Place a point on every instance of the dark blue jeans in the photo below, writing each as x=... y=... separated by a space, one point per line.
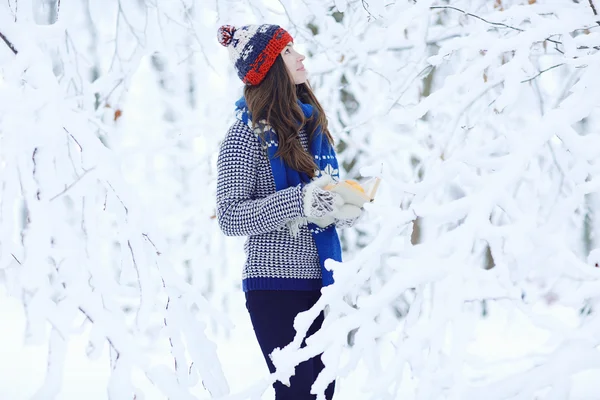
x=272 y=313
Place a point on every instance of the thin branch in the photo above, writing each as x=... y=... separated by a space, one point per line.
x=594 y=10
x=366 y=7
x=8 y=43
x=16 y=259
x=500 y=24
x=33 y=159
x=593 y=7
x=15 y=10
x=190 y=20
x=71 y=156
x=115 y=54
x=167 y=326
x=73 y=137
x=407 y=86
x=117 y=196
x=119 y=81
x=476 y=16
x=72 y=184
x=137 y=271
x=538 y=92
x=107 y=338
x=35 y=170
x=541 y=72
x=557 y=49
x=158 y=253
x=170 y=338
x=131 y=28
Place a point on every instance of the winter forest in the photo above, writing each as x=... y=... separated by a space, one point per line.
x=473 y=275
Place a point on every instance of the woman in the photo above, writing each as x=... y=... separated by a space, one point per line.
x=273 y=166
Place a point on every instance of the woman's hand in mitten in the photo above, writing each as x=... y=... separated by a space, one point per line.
x=347 y=216
x=347 y=211
x=318 y=202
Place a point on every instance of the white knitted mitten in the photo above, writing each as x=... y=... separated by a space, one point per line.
x=319 y=202
x=346 y=223
x=352 y=218
x=347 y=211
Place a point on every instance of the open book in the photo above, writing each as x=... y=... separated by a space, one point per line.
x=354 y=192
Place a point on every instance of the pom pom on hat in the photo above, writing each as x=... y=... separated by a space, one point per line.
x=225 y=34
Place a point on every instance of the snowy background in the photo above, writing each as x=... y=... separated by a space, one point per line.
x=473 y=276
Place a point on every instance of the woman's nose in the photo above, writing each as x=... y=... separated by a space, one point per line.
x=301 y=57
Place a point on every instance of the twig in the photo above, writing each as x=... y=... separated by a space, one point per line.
x=72 y=184
x=476 y=16
x=556 y=42
x=117 y=196
x=107 y=338
x=131 y=28
x=113 y=89
x=188 y=17
x=366 y=7
x=8 y=43
x=16 y=259
x=158 y=253
x=170 y=338
x=594 y=10
x=115 y=54
x=35 y=170
x=33 y=159
x=73 y=137
x=536 y=88
x=541 y=72
x=137 y=271
x=593 y=7
x=425 y=70
x=175 y=364
x=15 y=10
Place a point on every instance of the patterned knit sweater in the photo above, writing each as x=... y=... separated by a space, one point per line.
x=249 y=205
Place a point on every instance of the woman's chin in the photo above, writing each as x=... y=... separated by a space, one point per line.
x=300 y=78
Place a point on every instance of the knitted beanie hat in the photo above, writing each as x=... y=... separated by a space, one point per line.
x=253 y=49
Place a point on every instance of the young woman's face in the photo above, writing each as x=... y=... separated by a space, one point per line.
x=293 y=62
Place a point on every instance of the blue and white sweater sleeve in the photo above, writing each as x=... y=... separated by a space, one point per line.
x=239 y=212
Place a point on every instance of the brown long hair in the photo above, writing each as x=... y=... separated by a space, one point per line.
x=275 y=100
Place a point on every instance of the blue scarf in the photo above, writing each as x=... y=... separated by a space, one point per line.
x=326 y=239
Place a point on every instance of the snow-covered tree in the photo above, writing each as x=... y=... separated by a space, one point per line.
x=481 y=118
